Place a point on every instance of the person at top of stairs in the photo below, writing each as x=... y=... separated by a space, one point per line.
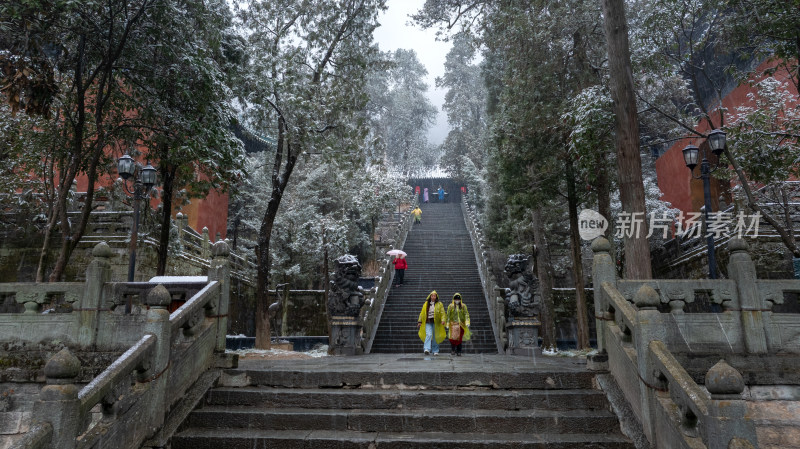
x=458 y=324
x=431 y=323
x=400 y=266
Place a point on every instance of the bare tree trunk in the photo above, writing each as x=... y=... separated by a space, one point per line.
x=280 y=179
x=544 y=270
x=577 y=260
x=48 y=233
x=603 y=186
x=50 y=196
x=629 y=163
x=327 y=277
x=262 y=289
x=167 y=193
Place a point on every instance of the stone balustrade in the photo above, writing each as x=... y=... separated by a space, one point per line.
x=647 y=337
x=677 y=387
x=141 y=397
x=492 y=293
x=370 y=315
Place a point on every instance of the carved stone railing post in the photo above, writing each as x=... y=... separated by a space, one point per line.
x=97 y=274
x=58 y=402
x=603 y=270
x=220 y=271
x=523 y=299
x=344 y=305
x=206 y=243
x=727 y=422
x=742 y=269
x=158 y=325
x=649 y=326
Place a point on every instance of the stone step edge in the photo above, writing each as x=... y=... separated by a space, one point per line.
x=357 y=380
x=404 y=392
x=518 y=439
x=444 y=413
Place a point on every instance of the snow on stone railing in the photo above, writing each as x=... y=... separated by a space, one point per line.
x=495 y=304
x=373 y=309
x=144 y=391
x=643 y=333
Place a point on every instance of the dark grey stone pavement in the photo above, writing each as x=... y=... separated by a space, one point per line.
x=380 y=363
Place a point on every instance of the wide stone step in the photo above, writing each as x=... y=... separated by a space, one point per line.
x=400 y=420
x=417 y=350
x=544 y=380
x=407 y=400
x=325 y=439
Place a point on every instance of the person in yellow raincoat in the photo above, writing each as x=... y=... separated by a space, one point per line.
x=431 y=323
x=417 y=212
x=458 y=324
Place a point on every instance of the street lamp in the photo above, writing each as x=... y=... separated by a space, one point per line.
x=716 y=141
x=142 y=185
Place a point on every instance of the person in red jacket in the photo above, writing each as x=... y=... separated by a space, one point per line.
x=400 y=266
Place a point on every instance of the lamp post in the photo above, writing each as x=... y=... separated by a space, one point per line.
x=144 y=180
x=716 y=141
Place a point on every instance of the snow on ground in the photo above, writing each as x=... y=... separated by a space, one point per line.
x=570 y=352
x=280 y=354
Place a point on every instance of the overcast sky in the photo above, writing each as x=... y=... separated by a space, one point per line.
x=395 y=32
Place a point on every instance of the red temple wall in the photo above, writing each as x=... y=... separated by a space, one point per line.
x=676 y=185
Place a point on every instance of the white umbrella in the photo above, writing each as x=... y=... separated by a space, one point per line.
x=396 y=252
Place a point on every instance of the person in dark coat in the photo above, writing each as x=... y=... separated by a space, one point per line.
x=400 y=266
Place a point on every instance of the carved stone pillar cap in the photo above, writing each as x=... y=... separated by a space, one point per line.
x=601 y=245
x=724 y=379
x=220 y=249
x=737 y=244
x=646 y=297
x=159 y=297
x=63 y=365
x=102 y=250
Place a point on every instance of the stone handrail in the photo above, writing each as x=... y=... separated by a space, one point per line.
x=638 y=342
x=38 y=437
x=33 y=296
x=189 y=313
x=619 y=310
x=373 y=309
x=495 y=304
x=137 y=358
x=677 y=293
x=172 y=354
x=692 y=401
x=117 y=293
x=108 y=225
x=198 y=245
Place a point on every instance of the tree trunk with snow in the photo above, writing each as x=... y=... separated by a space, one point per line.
x=577 y=261
x=544 y=271
x=629 y=164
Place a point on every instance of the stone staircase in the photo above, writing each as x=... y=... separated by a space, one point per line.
x=440 y=257
x=380 y=401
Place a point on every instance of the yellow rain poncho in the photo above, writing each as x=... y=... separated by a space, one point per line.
x=459 y=315
x=438 y=319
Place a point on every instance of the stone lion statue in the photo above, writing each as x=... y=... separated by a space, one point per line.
x=346 y=297
x=522 y=293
